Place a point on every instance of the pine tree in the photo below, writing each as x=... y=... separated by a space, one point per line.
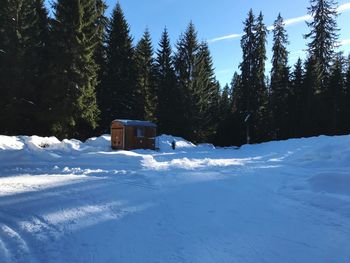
x=168 y=95
x=252 y=105
x=100 y=55
x=119 y=95
x=146 y=76
x=262 y=124
x=279 y=85
x=23 y=40
x=246 y=101
x=335 y=94
x=226 y=103
x=205 y=96
x=35 y=64
x=312 y=119
x=297 y=102
x=11 y=54
x=232 y=131
x=323 y=36
x=72 y=100
x=185 y=59
x=346 y=99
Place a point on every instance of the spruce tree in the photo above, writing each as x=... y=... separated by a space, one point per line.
x=11 y=54
x=312 y=119
x=335 y=94
x=168 y=94
x=146 y=76
x=253 y=104
x=279 y=85
x=235 y=128
x=247 y=101
x=100 y=55
x=185 y=59
x=323 y=40
x=226 y=103
x=346 y=99
x=262 y=123
x=72 y=100
x=323 y=36
x=297 y=102
x=205 y=96
x=23 y=41
x=118 y=95
x=35 y=64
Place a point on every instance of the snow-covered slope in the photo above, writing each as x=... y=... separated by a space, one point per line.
x=68 y=201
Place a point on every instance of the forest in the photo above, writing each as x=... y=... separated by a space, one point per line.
x=70 y=74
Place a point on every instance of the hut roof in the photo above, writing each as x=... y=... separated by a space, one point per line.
x=136 y=123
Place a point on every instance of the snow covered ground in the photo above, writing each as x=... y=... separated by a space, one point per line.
x=68 y=201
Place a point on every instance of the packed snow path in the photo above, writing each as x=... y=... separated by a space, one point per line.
x=81 y=202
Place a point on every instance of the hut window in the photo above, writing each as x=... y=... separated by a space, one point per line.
x=140 y=133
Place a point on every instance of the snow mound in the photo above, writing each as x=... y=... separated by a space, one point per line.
x=36 y=143
x=10 y=143
x=164 y=142
x=102 y=142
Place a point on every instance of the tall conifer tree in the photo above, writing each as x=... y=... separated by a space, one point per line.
x=168 y=95
x=252 y=106
x=23 y=38
x=279 y=85
x=246 y=100
x=261 y=116
x=185 y=59
x=323 y=40
x=335 y=94
x=72 y=100
x=100 y=55
x=346 y=99
x=312 y=119
x=206 y=96
x=146 y=76
x=323 y=36
x=297 y=103
x=118 y=95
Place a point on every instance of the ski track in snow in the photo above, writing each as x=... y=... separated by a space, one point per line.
x=285 y=201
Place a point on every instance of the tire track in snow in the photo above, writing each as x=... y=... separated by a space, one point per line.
x=41 y=228
x=17 y=249
x=6 y=252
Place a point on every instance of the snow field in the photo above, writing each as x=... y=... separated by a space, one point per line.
x=69 y=201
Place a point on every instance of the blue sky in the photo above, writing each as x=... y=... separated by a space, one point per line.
x=222 y=18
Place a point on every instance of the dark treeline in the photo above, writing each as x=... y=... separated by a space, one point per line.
x=71 y=74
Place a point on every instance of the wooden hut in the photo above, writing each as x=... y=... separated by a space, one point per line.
x=133 y=134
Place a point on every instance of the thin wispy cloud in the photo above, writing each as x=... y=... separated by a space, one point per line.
x=296 y=20
x=232 y=36
x=343 y=7
x=288 y=22
x=344 y=42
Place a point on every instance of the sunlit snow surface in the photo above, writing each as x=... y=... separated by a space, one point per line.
x=68 y=201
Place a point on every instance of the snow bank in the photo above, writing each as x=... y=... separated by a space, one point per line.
x=164 y=142
x=36 y=143
x=10 y=143
x=149 y=162
x=102 y=142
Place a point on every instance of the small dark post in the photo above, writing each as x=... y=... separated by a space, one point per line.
x=173 y=144
x=247 y=127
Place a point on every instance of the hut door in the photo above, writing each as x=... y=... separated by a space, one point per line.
x=117 y=137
